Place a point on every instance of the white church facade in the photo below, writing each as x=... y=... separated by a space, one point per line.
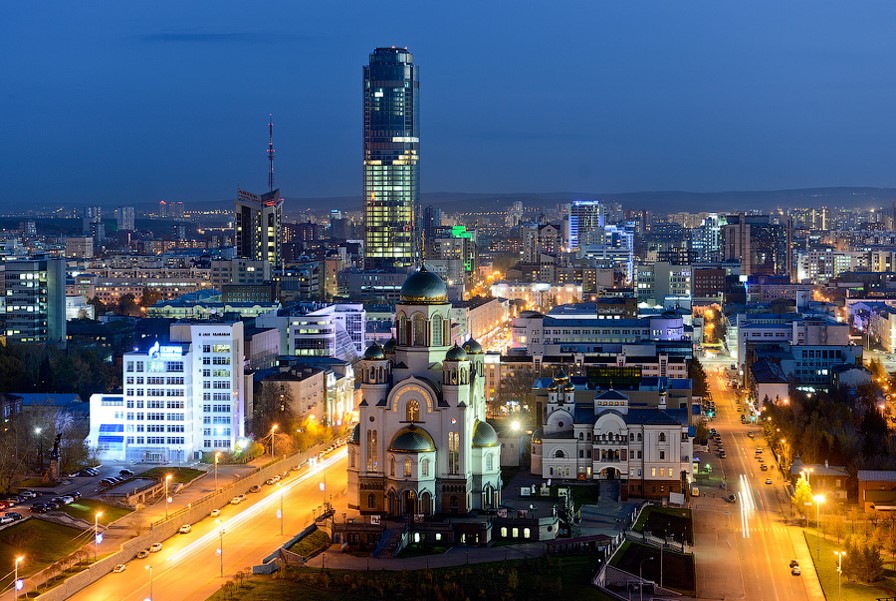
x=422 y=446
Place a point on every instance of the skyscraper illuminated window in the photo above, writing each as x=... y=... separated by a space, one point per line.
x=391 y=171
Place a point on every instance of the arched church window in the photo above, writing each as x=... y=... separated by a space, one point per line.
x=424 y=468
x=392 y=466
x=662 y=437
x=489 y=462
x=419 y=330
x=407 y=468
x=412 y=411
x=559 y=454
x=437 y=330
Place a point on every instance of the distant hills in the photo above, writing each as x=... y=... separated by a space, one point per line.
x=660 y=201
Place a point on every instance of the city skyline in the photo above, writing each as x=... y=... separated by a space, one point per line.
x=170 y=102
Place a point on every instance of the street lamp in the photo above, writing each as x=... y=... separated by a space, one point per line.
x=149 y=567
x=167 y=498
x=641 y=575
x=16 y=585
x=217 y=456
x=273 y=429
x=96 y=534
x=221 y=545
x=840 y=555
x=819 y=499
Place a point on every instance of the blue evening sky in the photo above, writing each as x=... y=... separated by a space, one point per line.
x=126 y=101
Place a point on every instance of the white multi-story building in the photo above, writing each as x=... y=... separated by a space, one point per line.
x=320 y=330
x=180 y=399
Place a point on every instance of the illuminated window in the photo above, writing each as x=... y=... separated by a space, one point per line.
x=407 y=468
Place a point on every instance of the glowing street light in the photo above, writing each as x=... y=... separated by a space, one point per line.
x=17 y=584
x=96 y=534
x=840 y=555
x=167 y=498
x=819 y=499
x=273 y=429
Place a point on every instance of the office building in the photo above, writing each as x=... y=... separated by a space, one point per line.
x=762 y=247
x=180 y=399
x=258 y=223
x=586 y=218
x=34 y=295
x=391 y=170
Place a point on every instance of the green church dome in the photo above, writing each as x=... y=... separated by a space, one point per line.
x=484 y=435
x=455 y=353
x=412 y=439
x=374 y=352
x=424 y=288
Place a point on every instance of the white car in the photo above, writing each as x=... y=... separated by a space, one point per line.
x=236 y=501
x=119 y=568
x=155 y=548
x=143 y=554
x=215 y=513
x=185 y=529
x=768 y=480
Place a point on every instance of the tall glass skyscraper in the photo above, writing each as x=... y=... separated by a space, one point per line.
x=391 y=171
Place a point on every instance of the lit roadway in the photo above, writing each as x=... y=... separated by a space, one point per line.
x=188 y=567
x=754 y=543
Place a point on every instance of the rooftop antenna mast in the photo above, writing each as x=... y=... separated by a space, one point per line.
x=271 y=151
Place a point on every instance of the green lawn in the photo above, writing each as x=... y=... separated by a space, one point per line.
x=827 y=572
x=86 y=510
x=312 y=543
x=40 y=543
x=539 y=578
x=178 y=474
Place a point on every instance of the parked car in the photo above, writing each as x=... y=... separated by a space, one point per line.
x=6 y=520
x=75 y=495
x=28 y=494
x=126 y=472
x=16 y=516
x=143 y=554
x=215 y=513
x=255 y=488
x=273 y=480
x=794 y=563
x=185 y=529
x=68 y=499
x=39 y=508
x=795 y=570
x=763 y=467
x=731 y=498
x=120 y=568
x=52 y=506
x=768 y=480
x=241 y=497
x=235 y=501
x=155 y=547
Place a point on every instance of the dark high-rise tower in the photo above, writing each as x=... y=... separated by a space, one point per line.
x=391 y=171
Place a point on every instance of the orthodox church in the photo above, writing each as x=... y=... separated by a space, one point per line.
x=422 y=446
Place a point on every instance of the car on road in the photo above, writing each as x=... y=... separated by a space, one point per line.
x=155 y=547
x=273 y=480
x=763 y=467
x=119 y=568
x=143 y=554
x=14 y=515
x=255 y=488
x=768 y=480
x=722 y=454
x=750 y=434
x=794 y=563
x=39 y=508
x=28 y=494
x=795 y=570
x=75 y=495
x=52 y=506
x=236 y=501
x=759 y=450
x=731 y=498
x=125 y=472
x=185 y=529
x=215 y=513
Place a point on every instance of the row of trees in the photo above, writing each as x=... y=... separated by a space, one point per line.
x=45 y=368
x=127 y=304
